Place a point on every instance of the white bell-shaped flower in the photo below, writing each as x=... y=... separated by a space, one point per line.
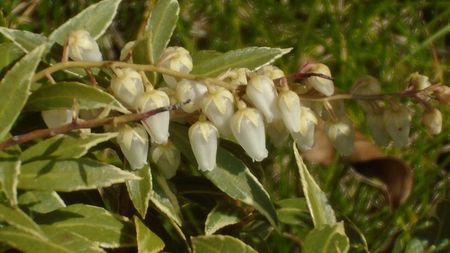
x=190 y=90
x=127 y=86
x=377 y=129
x=432 y=119
x=248 y=129
x=418 y=81
x=157 y=125
x=217 y=105
x=133 y=142
x=167 y=158
x=177 y=59
x=262 y=93
x=290 y=110
x=203 y=136
x=342 y=136
x=322 y=85
x=271 y=71
x=304 y=138
x=82 y=47
x=57 y=117
x=397 y=121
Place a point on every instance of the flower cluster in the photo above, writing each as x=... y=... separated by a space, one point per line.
x=252 y=104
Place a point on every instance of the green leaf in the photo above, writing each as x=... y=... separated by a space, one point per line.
x=71 y=241
x=163 y=198
x=27 y=41
x=73 y=145
x=107 y=229
x=202 y=56
x=70 y=175
x=161 y=24
x=10 y=53
x=221 y=216
x=30 y=243
x=327 y=239
x=9 y=172
x=95 y=19
x=14 y=89
x=18 y=219
x=230 y=176
x=40 y=201
x=62 y=95
x=143 y=54
x=251 y=58
x=141 y=190
x=293 y=211
x=147 y=241
x=219 y=244
x=319 y=208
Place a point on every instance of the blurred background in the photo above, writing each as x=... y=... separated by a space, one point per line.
x=387 y=39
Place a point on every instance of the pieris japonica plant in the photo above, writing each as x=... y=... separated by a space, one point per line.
x=163 y=150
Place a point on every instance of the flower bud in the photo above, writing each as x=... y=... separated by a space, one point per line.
x=127 y=86
x=217 y=105
x=342 y=136
x=247 y=126
x=235 y=76
x=377 y=129
x=443 y=94
x=418 y=81
x=203 y=137
x=271 y=71
x=321 y=84
x=177 y=59
x=262 y=93
x=157 y=125
x=432 y=119
x=82 y=47
x=190 y=90
x=167 y=158
x=398 y=122
x=133 y=142
x=304 y=138
x=289 y=105
x=57 y=117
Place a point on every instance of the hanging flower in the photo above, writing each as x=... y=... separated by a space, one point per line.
x=127 y=86
x=167 y=158
x=217 y=105
x=262 y=93
x=322 y=85
x=342 y=136
x=271 y=71
x=290 y=109
x=57 y=117
x=82 y=47
x=397 y=121
x=248 y=129
x=157 y=125
x=203 y=137
x=190 y=90
x=432 y=119
x=133 y=142
x=304 y=138
x=177 y=59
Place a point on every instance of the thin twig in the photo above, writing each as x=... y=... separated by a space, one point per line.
x=138 y=67
x=42 y=133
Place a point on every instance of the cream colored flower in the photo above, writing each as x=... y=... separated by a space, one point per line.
x=322 y=85
x=57 y=117
x=217 y=105
x=157 y=125
x=262 y=93
x=82 y=47
x=127 y=86
x=167 y=158
x=190 y=90
x=177 y=59
x=133 y=142
x=203 y=137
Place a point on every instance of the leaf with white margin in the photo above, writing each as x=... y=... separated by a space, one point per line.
x=95 y=19
x=319 y=208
